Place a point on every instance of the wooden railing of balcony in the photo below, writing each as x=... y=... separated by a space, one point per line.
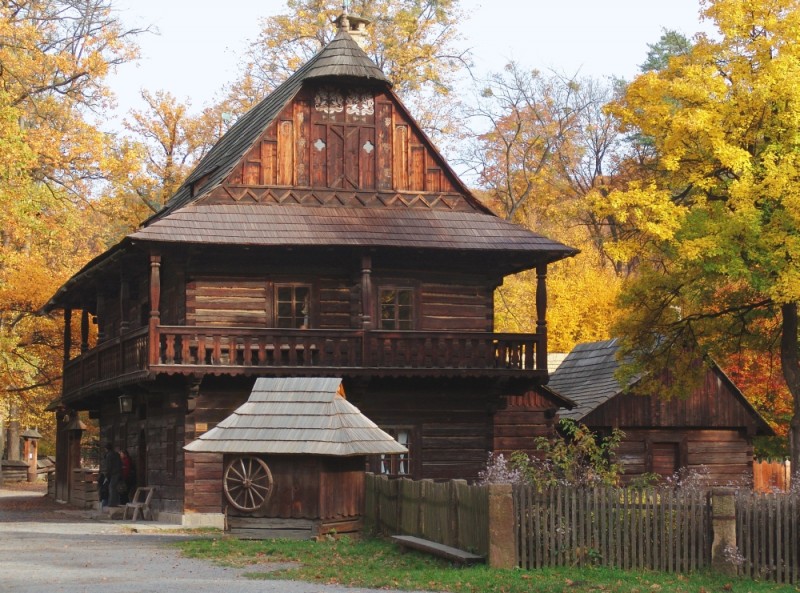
x=193 y=349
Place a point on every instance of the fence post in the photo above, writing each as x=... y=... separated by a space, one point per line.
x=502 y=535
x=723 y=523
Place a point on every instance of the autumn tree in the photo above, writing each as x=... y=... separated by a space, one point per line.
x=718 y=215
x=54 y=55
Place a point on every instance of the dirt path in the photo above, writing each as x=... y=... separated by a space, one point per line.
x=47 y=547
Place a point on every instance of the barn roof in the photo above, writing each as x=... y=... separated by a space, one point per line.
x=296 y=225
x=588 y=377
x=294 y=415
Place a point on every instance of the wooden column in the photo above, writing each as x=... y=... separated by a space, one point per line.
x=155 y=314
x=100 y=317
x=84 y=330
x=62 y=454
x=541 y=316
x=124 y=298
x=366 y=292
x=67 y=334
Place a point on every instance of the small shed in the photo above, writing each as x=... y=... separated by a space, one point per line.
x=710 y=431
x=294 y=459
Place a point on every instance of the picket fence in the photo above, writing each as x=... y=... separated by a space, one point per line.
x=656 y=529
x=768 y=536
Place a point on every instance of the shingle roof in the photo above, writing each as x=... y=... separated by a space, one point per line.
x=296 y=225
x=586 y=376
x=294 y=415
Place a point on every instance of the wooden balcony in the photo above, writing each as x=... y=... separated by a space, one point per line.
x=268 y=351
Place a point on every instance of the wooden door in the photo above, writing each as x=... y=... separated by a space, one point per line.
x=666 y=459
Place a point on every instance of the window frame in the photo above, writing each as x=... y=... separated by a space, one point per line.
x=394 y=460
x=413 y=306
x=308 y=317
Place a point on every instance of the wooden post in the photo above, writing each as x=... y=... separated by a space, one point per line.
x=155 y=314
x=502 y=535
x=723 y=524
x=84 y=330
x=124 y=298
x=366 y=292
x=67 y=334
x=100 y=317
x=541 y=316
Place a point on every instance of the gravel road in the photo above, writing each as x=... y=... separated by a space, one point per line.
x=46 y=547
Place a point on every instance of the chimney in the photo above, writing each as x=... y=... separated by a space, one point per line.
x=356 y=27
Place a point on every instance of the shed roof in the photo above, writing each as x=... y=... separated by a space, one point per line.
x=297 y=415
x=586 y=376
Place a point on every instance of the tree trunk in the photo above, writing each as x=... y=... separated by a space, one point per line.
x=790 y=361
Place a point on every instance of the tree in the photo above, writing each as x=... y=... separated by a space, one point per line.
x=718 y=217
x=413 y=41
x=54 y=55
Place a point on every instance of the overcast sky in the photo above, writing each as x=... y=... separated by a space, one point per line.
x=195 y=52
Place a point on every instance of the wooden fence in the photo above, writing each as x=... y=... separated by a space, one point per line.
x=450 y=513
x=664 y=529
x=772 y=476
x=658 y=529
x=768 y=536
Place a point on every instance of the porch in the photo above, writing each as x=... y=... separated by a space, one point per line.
x=145 y=352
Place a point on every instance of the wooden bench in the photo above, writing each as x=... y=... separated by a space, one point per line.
x=447 y=552
x=140 y=503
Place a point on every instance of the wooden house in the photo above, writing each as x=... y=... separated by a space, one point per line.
x=322 y=236
x=711 y=431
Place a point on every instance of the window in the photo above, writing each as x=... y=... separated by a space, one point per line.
x=397 y=308
x=293 y=305
x=400 y=464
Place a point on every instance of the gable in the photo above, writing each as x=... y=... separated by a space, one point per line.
x=337 y=139
x=714 y=404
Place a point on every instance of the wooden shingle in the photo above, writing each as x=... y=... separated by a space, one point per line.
x=297 y=415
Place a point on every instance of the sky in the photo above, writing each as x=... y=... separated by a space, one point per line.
x=194 y=54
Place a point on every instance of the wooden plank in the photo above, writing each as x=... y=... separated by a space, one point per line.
x=400 y=157
x=383 y=123
x=367 y=157
x=302 y=124
x=319 y=156
x=447 y=552
x=286 y=147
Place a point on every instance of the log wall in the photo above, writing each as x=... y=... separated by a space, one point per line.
x=356 y=139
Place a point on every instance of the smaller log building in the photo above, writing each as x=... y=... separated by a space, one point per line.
x=710 y=431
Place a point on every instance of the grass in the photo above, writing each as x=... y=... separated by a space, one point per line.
x=378 y=564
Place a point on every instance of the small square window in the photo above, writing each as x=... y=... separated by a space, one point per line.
x=397 y=308
x=399 y=464
x=293 y=306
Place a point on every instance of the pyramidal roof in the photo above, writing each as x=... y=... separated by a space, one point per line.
x=297 y=415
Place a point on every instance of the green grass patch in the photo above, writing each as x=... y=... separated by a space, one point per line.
x=378 y=564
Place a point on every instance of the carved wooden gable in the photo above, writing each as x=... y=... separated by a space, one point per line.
x=342 y=141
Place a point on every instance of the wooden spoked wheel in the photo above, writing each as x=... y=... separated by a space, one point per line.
x=247 y=483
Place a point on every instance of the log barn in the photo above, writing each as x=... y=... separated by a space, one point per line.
x=710 y=431
x=322 y=236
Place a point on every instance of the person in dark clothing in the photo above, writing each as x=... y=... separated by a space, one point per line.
x=128 y=482
x=113 y=465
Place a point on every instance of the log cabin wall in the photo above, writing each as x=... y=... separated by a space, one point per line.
x=525 y=418
x=450 y=425
x=722 y=456
x=217 y=398
x=340 y=138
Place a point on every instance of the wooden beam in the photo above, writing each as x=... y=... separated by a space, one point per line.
x=541 y=316
x=67 y=333
x=155 y=314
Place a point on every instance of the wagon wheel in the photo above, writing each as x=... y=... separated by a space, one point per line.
x=247 y=483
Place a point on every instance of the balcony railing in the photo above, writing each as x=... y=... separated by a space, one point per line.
x=193 y=349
